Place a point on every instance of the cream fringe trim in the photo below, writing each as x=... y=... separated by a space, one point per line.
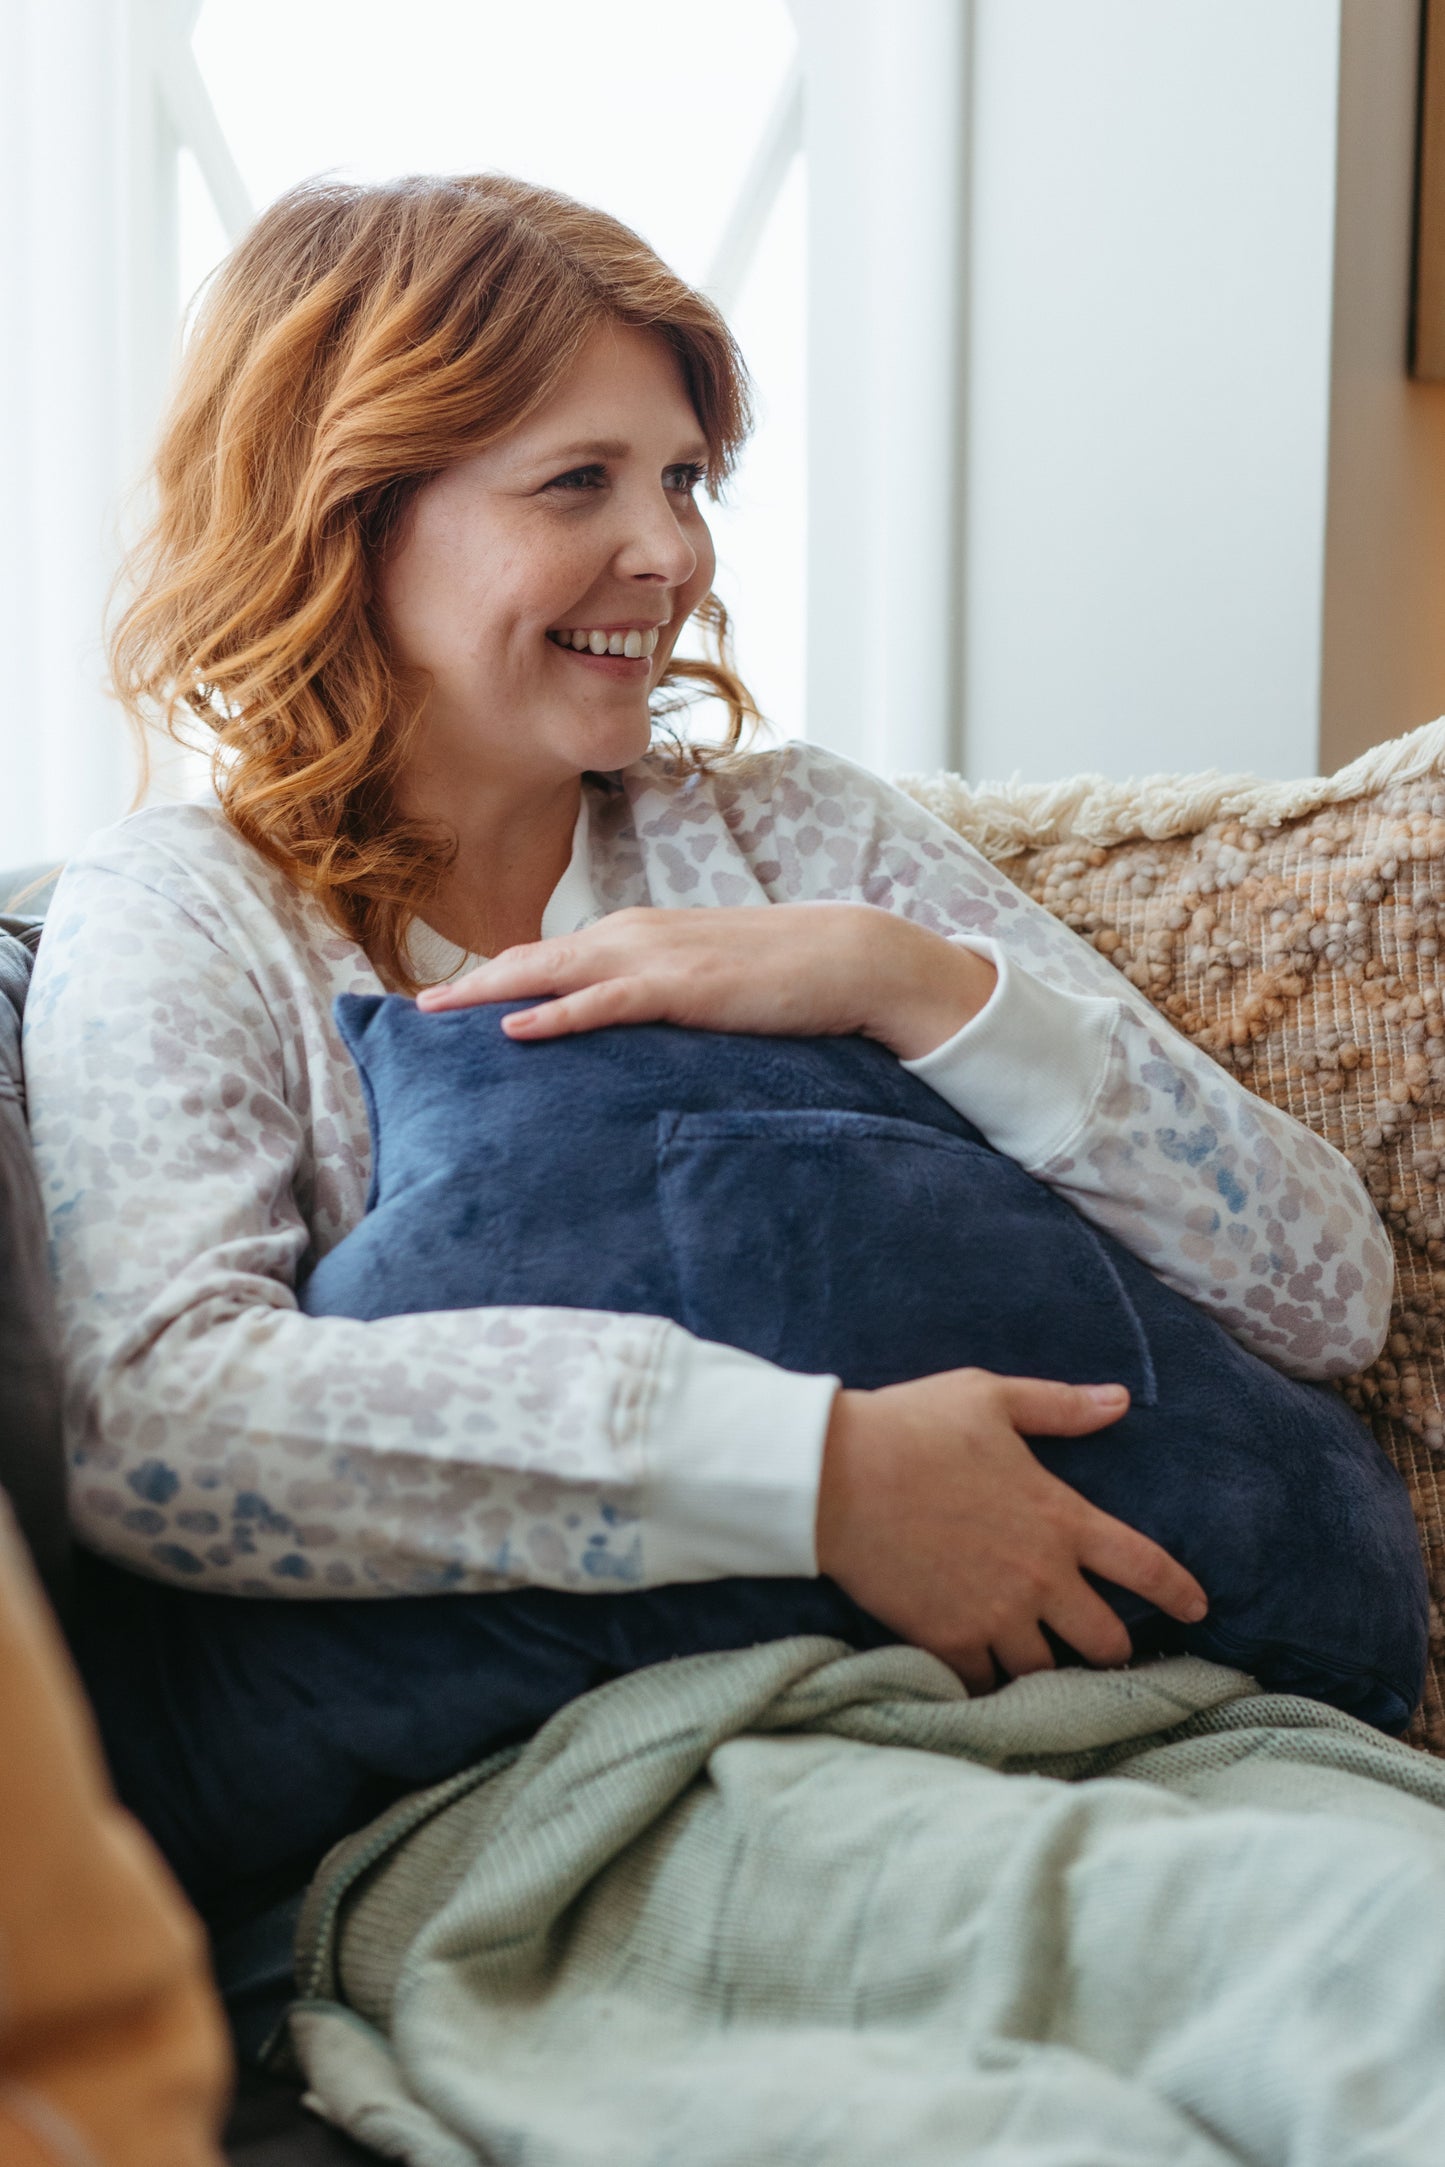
x=1001 y=819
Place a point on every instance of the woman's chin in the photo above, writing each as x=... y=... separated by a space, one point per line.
x=614 y=742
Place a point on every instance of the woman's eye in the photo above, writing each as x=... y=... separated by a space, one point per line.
x=579 y=478
x=680 y=480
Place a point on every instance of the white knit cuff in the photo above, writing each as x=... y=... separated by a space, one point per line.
x=1027 y=1068
x=734 y=1454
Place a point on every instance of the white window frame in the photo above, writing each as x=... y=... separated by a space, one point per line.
x=97 y=98
x=885 y=128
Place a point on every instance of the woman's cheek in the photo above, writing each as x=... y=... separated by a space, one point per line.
x=702 y=578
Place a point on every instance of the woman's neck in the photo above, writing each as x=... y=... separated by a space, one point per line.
x=509 y=859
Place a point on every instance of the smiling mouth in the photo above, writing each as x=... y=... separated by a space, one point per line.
x=634 y=645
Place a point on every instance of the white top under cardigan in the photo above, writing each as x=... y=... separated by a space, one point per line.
x=200 y=1131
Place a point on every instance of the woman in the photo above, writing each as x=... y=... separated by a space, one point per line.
x=428 y=532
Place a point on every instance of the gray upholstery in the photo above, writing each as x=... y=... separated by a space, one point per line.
x=32 y=1465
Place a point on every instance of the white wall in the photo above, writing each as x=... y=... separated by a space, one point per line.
x=1152 y=214
x=883 y=136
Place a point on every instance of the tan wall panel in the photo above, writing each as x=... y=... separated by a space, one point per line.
x=1383 y=644
x=1429 y=355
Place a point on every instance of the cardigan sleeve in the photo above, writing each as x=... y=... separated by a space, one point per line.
x=220 y=1438
x=1071 y=1071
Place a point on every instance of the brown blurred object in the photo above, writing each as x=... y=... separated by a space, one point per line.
x=112 y=2047
x=1427 y=357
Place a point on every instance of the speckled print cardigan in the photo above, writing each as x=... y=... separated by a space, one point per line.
x=200 y=1133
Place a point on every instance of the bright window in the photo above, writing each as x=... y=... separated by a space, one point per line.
x=652 y=109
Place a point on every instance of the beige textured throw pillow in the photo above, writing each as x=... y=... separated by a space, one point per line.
x=1294 y=930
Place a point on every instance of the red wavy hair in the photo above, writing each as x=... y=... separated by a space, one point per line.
x=358 y=341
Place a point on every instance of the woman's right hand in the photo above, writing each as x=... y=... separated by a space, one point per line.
x=934 y=1515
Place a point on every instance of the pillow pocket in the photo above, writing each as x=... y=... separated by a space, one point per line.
x=883 y=1249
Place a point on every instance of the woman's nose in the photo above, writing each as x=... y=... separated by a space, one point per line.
x=654 y=545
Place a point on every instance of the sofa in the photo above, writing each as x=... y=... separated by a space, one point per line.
x=1293 y=929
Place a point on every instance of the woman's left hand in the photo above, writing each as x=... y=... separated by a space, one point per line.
x=794 y=970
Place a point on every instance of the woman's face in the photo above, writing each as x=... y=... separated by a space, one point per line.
x=582 y=521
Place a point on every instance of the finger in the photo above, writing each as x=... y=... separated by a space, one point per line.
x=1082 y=1618
x=1037 y=1406
x=974 y=1665
x=616 y=1000
x=1131 y=1560
x=563 y=962
x=456 y=993
x=536 y=967
x=1022 y=1650
x=978 y=1672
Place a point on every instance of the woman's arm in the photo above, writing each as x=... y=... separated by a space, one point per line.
x=1072 y=1072
x=1039 y=1041
x=221 y=1439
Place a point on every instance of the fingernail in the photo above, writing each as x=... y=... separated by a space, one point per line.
x=1107 y=1395
x=1195 y=1611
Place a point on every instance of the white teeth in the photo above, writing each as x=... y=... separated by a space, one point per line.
x=631 y=644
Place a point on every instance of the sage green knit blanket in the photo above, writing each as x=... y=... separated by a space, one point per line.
x=799 y=1906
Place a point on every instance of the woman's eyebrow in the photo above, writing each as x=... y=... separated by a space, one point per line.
x=614 y=448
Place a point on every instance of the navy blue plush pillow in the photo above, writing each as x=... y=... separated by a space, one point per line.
x=810 y=1201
